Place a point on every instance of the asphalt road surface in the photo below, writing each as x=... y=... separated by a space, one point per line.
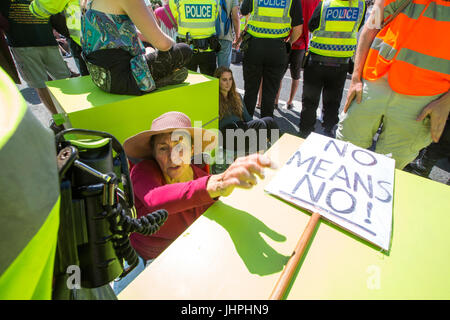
x=286 y=119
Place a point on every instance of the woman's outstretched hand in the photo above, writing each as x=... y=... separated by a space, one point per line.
x=241 y=173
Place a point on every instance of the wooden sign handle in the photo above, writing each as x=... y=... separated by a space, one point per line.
x=288 y=272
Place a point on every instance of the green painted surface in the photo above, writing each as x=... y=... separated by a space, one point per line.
x=338 y=266
x=88 y=107
x=246 y=232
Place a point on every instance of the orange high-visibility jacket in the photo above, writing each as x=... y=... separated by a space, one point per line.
x=414 y=49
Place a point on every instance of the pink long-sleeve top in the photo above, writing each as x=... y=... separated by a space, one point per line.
x=184 y=202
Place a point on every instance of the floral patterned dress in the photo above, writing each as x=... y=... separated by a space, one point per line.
x=112 y=31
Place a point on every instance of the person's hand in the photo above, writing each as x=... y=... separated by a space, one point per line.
x=241 y=173
x=438 y=110
x=236 y=43
x=355 y=90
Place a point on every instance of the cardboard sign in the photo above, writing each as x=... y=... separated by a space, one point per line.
x=349 y=186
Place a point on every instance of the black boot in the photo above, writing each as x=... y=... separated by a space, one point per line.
x=423 y=164
x=176 y=77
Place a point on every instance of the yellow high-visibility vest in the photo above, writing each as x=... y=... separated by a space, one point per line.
x=270 y=19
x=72 y=11
x=339 y=23
x=242 y=23
x=29 y=220
x=198 y=17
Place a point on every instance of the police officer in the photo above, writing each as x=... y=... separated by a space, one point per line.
x=72 y=11
x=196 y=21
x=334 y=25
x=266 y=48
x=29 y=199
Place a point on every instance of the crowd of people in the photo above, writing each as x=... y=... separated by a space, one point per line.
x=398 y=59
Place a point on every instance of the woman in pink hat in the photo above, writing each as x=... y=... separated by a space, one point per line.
x=166 y=178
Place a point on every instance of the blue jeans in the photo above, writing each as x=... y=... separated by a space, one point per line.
x=224 y=55
x=121 y=284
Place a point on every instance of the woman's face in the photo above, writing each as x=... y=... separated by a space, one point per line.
x=173 y=157
x=225 y=82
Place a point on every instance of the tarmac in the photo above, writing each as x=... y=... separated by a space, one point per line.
x=286 y=119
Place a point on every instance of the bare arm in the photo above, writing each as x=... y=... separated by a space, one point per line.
x=241 y=173
x=236 y=22
x=366 y=37
x=145 y=21
x=296 y=33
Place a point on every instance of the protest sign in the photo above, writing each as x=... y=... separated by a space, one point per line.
x=347 y=185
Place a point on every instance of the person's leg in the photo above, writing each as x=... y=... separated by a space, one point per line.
x=288 y=66
x=295 y=67
x=207 y=63
x=332 y=95
x=31 y=65
x=44 y=95
x=277 y=97
x=426 y=160
x=403 y=136
x=57 y=69
x=224 y=55
x=270 y=123
x=273 y=130
x=193 y=62
x=258 y=104
x=362 y=120
x=441 y=149
x=76 y=51
x=55 y=65
x=252 y=72
x=256 y=131
x=312 y=89
x=163 y=63
x=275 y=64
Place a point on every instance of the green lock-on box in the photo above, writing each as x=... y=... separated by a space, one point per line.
x=82 y=105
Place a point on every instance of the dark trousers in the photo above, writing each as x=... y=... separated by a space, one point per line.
x=266 y=60
x=267 y=123
x=326 y=80
x=116 y=61
x=428 y=156
x=440 y=149
x=76 y=52
x=206 y=61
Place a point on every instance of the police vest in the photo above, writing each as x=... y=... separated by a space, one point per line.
x=414 y=49
x=29 y=199
x=242 y=23
x=72 y=11
x=198 y=17
x=339 y=23
x=270 y=19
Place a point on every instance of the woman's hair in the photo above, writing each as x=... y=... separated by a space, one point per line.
x=232 y=103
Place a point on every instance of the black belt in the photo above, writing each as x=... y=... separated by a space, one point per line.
x=329 y=60
x=197 y=44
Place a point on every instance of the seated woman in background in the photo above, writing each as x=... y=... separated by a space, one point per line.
x=234 y=115
x=166 y=179
x=116 y=58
